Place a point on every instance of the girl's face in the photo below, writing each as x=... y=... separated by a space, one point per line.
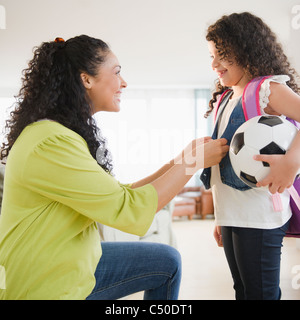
x=106 y=87
x=229 y=73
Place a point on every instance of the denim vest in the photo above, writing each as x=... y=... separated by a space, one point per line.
x=227 y=173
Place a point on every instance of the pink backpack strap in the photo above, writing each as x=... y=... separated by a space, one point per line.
x=251 y=108
x=250 y=100
x=294 y=194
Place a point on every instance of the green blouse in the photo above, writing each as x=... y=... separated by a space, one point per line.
x=54 y=193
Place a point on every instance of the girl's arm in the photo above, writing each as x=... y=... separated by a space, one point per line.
x=171 y=178
x=284 y=168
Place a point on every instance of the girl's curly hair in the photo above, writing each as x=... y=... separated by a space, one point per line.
x=247 y=40
x=52 y=89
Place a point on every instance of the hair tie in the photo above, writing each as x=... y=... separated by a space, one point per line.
x=59 y=40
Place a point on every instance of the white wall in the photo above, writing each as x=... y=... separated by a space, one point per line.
x=158 y=42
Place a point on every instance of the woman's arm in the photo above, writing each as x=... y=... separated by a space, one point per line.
x=167 y=166
x=284 y=168
x=200 y=154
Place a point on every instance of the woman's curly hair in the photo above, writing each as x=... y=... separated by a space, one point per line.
x=247 y=40
x=52 y=89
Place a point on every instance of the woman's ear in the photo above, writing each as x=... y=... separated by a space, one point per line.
x=86 y=80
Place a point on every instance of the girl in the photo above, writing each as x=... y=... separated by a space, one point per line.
x=55 y=191
x=243 y=47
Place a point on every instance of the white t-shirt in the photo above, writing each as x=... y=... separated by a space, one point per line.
x=251 y=208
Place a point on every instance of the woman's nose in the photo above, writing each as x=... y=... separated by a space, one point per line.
x=123 y=83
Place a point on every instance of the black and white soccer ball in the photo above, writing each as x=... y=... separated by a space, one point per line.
x=259 y=135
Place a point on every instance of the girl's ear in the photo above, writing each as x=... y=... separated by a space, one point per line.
x=86 y=80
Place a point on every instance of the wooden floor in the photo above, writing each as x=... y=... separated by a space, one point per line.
x=206 y=275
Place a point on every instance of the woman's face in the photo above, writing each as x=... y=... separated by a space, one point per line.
x=229 y=73
x=106 y=87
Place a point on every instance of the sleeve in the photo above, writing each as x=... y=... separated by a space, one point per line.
x=265 y=92
x=62 y=169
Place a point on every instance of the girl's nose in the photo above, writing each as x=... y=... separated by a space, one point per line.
x=215 y=63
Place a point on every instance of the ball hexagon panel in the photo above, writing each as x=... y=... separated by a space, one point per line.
x=258 y=135
x=250 y=167
x=284 y=134
x=240 y=162
x=262 y=173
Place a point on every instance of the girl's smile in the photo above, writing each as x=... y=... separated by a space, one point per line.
x=230 y=74
x=221 y=73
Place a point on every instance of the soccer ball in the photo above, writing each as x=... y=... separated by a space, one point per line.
x=259 y=135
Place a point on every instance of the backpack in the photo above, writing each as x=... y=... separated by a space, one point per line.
x=251 y=108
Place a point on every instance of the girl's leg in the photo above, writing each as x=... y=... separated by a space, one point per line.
x=227 y=238
x=257 y=254
x=129 y=267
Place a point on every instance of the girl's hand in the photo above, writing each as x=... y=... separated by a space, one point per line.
x=284 y=168
x=283 y=171
x=218 y=236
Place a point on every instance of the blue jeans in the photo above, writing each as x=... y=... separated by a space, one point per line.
x=253 y=256
x=129 y=267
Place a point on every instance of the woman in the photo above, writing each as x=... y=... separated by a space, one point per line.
x=55 y=191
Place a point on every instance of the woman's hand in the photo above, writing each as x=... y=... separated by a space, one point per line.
x=202 y=153
x=214 y=152
x=170 y=179
x=283 y=170
x=218 y=236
